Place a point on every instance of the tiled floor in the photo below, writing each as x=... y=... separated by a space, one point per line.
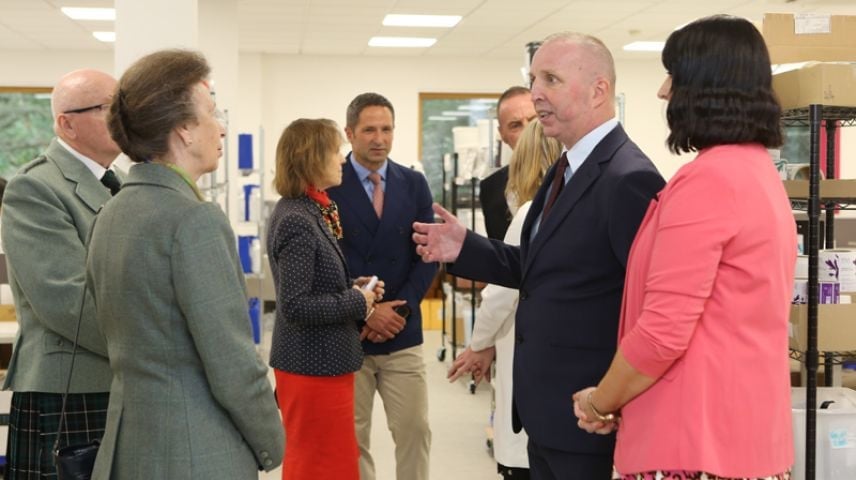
x=458 y=422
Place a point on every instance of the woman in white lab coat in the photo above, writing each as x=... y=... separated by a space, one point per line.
x=493 y=331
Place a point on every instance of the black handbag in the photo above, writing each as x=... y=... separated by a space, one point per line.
x=75 y=462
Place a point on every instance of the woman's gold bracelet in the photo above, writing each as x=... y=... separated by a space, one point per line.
x=608 y=418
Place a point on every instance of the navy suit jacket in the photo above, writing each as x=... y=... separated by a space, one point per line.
x=571 y=278
x=497 y=216
x=384 y=247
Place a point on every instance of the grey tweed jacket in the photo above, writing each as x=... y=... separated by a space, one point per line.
x=317 y=310
x=190 y=398
x=48 y=207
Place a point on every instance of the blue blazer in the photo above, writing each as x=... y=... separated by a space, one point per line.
x=384 y=247
x=571 y=278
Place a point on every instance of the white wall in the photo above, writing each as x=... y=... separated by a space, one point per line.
x=33 y=68
x=276 y=89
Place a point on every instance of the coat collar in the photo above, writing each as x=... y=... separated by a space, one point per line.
x=580 y=182
x=395 y=197
x=88 y=188
x=311 y=208
x=159 y=175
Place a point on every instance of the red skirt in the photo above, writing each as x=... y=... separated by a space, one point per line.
x=318 y=417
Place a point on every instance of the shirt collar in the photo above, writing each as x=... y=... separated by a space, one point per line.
x=583 y=148
x=97 y=169
x=363 y=172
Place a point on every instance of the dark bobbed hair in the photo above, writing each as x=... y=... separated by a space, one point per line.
x=721 y=86
x=302 y=153
x=155 y=96
x=363 y=101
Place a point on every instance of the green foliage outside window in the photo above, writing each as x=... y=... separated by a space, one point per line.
x=26 y=128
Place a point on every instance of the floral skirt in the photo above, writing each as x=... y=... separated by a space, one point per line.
x=685 y=475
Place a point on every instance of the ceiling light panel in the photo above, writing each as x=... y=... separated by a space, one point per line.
x=437 y=21
x=644 y=46
x=107 y=37
x=402 y=42
x=75 y=13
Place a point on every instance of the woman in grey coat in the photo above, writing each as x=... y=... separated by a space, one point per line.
x=190 y=398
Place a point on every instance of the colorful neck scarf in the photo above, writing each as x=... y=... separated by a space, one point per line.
x=329 y=210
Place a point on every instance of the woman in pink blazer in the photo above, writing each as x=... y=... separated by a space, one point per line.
x=700 y=381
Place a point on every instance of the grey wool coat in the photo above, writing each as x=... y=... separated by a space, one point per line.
x=190 y=398
x=48 y=208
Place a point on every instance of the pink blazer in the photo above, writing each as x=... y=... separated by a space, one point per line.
x=705 y=311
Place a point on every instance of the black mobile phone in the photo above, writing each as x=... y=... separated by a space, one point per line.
x=403 y=311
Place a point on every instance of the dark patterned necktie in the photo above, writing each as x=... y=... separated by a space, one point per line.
x=558 y=183
x=111 y=181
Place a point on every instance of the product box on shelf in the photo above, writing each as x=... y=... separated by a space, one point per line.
x=814 y=82
x=810 y=37
x=836 y=327
x=432 y=313
x=836 y=433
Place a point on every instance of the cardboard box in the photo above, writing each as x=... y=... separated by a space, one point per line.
x=432 y=313
x=7 y=313
x=836 y=327
x=822 y=83
x=810 y=37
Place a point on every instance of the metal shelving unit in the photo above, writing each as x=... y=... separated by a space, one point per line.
x=458 y=193
x=812 y=117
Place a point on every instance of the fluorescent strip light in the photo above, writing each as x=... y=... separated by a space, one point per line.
x=475 y=108
x=107 y=37
x=644 y=47
x=406 y=42
x=445 y=21
x=76 y=13
x=438 y=118
x=455 y=113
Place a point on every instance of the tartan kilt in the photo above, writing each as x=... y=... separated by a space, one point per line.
x=34 y=421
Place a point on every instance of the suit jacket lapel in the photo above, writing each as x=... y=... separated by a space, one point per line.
x=315 y=212
x=576 y=187
x=88 y=188
x=395 y=200
x=358 y=201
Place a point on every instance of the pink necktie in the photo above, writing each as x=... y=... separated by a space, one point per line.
x=377 y=196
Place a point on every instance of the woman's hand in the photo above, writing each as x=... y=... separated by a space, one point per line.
x=370 y=299
x=378 y=290
x=587 y=419
x=476 y=363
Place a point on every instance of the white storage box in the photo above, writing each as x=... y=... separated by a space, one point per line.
x=836 y=433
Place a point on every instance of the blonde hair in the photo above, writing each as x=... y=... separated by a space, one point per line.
x=302 y=153
x=532 y=157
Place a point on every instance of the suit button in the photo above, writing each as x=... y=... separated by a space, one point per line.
x=268 y=462
x=523 y=295
x=265 y=455
x=518 y=338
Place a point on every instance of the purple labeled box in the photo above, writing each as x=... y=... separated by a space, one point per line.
x=830 y=292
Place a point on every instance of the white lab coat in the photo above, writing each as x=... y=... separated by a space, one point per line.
x=494 y=326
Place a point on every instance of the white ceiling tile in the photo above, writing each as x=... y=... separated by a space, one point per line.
x=490 y=28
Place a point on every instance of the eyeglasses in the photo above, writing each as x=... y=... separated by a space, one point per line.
x=103 y=107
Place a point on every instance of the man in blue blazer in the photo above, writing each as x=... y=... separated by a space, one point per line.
x=378 y=202
x=571 y=263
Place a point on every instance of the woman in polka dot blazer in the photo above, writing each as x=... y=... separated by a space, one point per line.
x=316 y=344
